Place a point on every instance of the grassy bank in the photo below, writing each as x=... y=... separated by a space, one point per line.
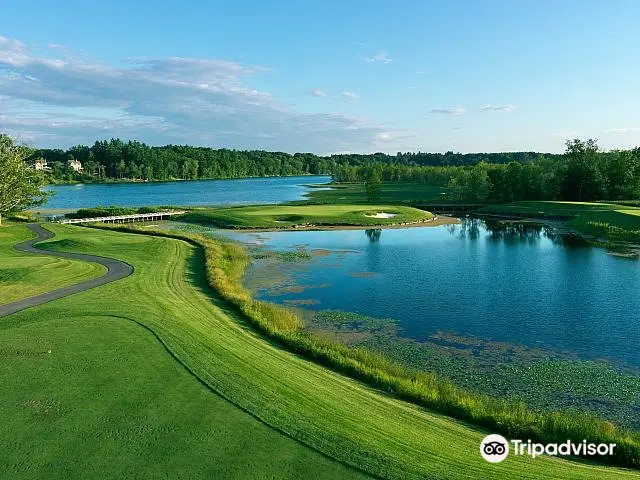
x=97 y=396
x=168 y=296
x=23 y=275
x=225 y=265
x=288 y=216
x=390 y=193
x=609 y=221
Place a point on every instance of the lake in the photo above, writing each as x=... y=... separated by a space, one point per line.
x=514 y=283
x=182 y=193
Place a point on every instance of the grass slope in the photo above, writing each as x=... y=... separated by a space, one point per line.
x=604 y=220
x=283 y=216
x=92 y=408
x=23 y=275
x=391 y=193
x=334 y=414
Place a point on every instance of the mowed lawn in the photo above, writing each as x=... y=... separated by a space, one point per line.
x=23 y=275
x=393 y=193
x=281 y=216
x=127 y=421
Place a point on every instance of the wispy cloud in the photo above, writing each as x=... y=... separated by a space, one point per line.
x=317 y=93
x=61 y=102
x=381 y=57
x=498 y=108
x=350 y=96
x=449 y=111
x=623 y=130
x=422 y=72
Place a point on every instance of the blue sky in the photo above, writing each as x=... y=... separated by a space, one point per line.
x=325 y=77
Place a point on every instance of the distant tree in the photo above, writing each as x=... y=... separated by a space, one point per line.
x=20 y=185
x=373 y=184
x=190 y=169
x=582 y=179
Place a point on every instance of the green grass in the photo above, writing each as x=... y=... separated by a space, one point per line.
x=286 y=216
x=23 y=275
x=110 y=402
x=390 y=193
x=168 y=294
x=609 y=221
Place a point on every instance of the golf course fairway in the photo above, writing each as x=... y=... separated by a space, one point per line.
x=155 y=374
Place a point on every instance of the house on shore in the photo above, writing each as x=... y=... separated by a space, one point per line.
x=75 y=165
x=40 y=164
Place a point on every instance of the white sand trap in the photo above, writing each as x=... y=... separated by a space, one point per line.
x=382 y=215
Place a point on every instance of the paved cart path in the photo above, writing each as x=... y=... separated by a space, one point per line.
x=115 y=271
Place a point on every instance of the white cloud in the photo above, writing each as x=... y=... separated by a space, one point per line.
x=623 y=130
x=160 y=100
x=498 y=108
x=379 y=57
x=422 y=72
x=316 y=93
x=449 y=111
x=350 y=96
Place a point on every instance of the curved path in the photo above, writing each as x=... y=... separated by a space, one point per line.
x=115 y=271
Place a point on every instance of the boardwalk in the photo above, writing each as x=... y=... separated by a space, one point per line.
x=138 y=217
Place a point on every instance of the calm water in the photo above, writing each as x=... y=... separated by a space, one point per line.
x=520 y=285
x=199 y=192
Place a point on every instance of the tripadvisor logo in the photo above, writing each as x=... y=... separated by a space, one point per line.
x=495 y=448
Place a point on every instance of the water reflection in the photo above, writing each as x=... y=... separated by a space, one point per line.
x=513 y=232
x=373 y=234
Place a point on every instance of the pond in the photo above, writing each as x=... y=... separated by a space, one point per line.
x=183 y=193
x=511 y=309
x=514 y=284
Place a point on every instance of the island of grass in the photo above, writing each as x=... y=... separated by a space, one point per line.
x=308 y=216
x=609 y=221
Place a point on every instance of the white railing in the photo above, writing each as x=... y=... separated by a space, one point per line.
x=123 y=218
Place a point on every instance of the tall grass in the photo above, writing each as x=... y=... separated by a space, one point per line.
x=225 y=264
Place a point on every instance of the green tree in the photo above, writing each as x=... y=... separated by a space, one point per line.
x=190 y=169
x=582 y=179
x=373 y=184
x=20 y=185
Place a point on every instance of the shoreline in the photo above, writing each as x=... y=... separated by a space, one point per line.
x=562 y=227
x=436 y=222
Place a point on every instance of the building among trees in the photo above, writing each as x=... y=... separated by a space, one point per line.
x=40 y=164
x=75 y=165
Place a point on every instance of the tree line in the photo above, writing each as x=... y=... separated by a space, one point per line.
x=583 y=173
x=133 y=160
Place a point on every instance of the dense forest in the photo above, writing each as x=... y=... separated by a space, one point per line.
x=115 y=159
x=583 y=172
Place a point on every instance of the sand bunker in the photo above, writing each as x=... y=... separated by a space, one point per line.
x=382 y=215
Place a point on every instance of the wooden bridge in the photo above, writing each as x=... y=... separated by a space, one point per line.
x=138 y=217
